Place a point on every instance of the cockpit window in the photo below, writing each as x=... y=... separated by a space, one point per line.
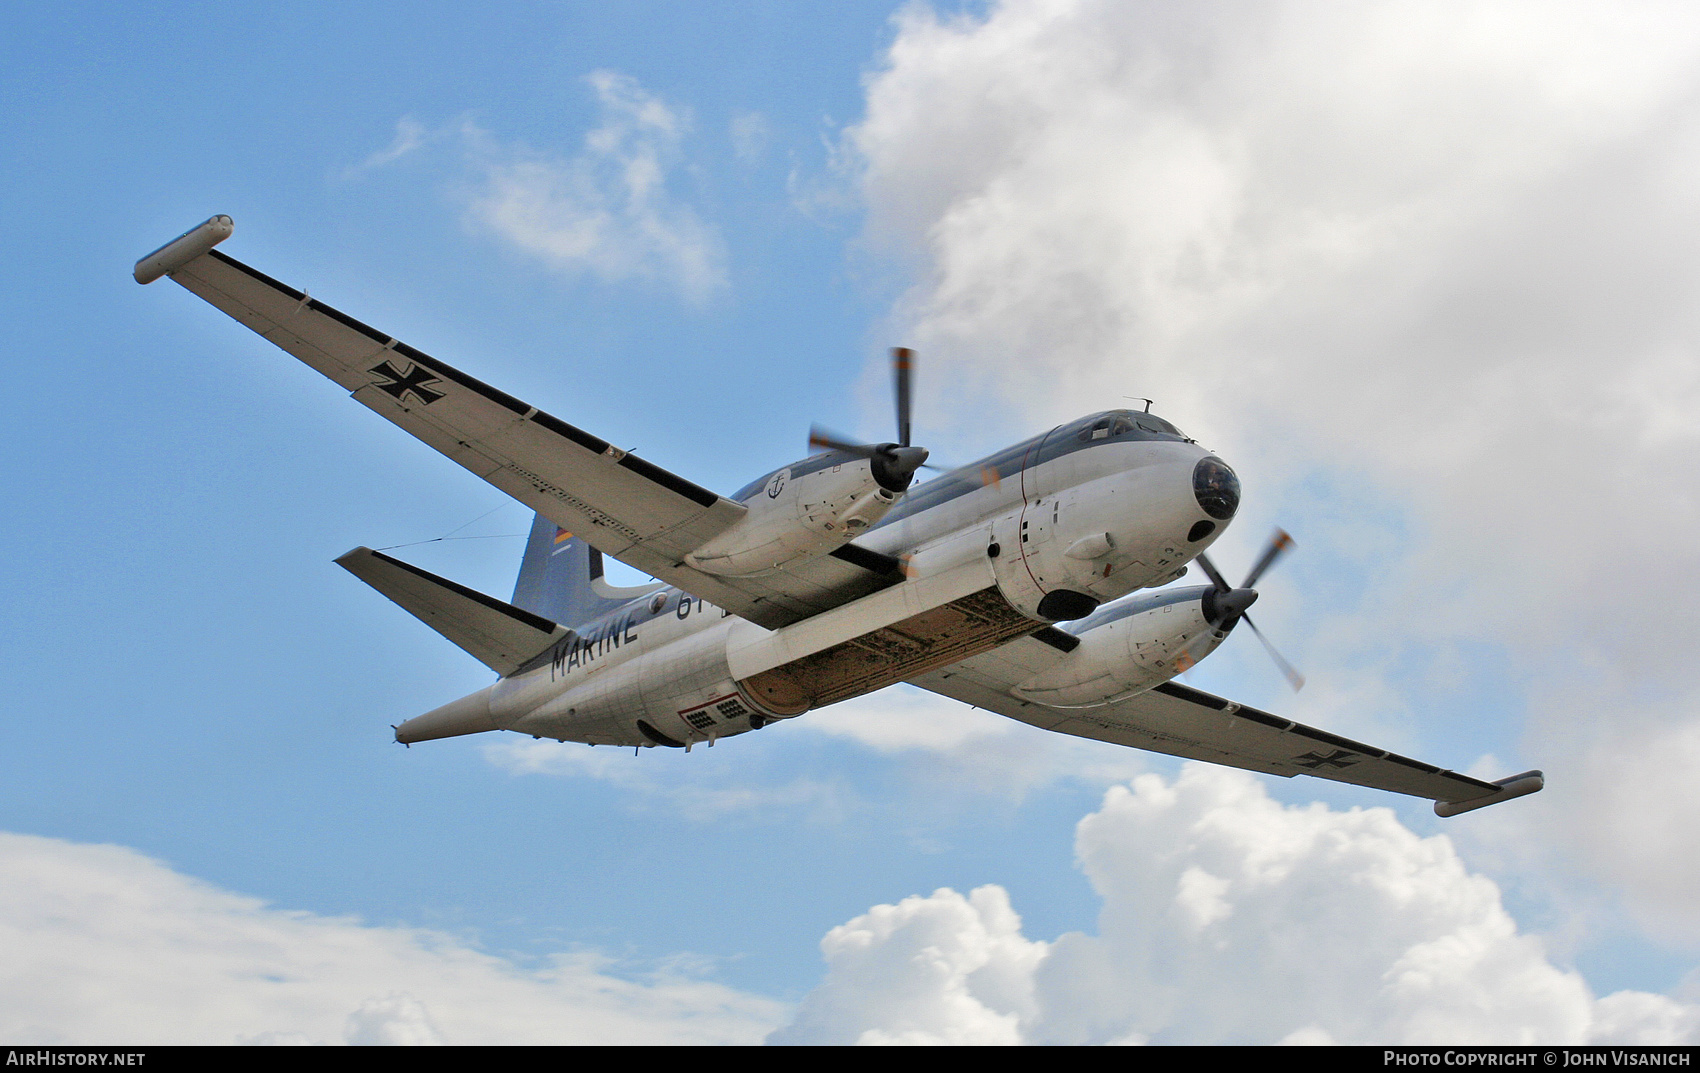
x=1153 y=423
x=1112 y=424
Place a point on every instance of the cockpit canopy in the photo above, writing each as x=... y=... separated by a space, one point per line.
x=1122 y=424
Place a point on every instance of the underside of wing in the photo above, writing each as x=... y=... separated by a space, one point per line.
x=619 y=503
x=1189 y=723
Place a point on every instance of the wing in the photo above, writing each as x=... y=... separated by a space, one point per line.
x=1186 y=722
x=624 y=506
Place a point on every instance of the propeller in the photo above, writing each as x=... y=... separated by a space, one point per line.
x=894 y=464
x=1225 y=606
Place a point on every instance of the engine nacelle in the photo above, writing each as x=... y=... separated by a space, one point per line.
x=803 y=510
x=1143 y=643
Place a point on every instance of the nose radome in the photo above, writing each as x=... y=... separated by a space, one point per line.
x=1216 y=488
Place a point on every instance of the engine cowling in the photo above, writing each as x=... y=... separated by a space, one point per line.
x=803 y=510
x=1131 y=652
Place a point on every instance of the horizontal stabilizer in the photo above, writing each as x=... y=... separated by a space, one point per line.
x=498 y=635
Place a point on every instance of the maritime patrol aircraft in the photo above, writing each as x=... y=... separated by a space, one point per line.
x=1014 y=584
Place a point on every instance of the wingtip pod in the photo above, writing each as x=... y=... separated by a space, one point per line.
x=184 y=248
x=1516 y=786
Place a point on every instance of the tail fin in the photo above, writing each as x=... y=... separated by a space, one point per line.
x=560 y=578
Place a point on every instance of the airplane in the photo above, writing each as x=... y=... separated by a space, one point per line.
x=1015 y=583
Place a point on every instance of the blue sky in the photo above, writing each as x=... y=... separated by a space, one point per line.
x=694 y=231
x=189 y=669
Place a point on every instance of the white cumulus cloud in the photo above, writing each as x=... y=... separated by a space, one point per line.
x=938 y=970
x=1227 y=917
x=103 y=945
x=608 y=210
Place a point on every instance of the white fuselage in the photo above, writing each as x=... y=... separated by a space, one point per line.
x=1095 y=523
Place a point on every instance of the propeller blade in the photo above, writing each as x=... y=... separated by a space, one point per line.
x=827 y=439
x=894 y=464
x=1212 y=573
x=1278 y=545
x=1294 y=678
x=902 y=368
x=1226 y=607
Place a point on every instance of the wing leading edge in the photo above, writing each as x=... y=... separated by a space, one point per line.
x=1190 y=723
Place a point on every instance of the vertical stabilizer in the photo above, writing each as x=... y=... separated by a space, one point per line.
x=560 y=578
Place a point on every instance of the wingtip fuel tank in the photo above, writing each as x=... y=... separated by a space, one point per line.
x=1516 y=786
x=184 y=248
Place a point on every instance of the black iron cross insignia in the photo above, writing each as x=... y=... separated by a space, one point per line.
x=1314 y=760
x=416 y=380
